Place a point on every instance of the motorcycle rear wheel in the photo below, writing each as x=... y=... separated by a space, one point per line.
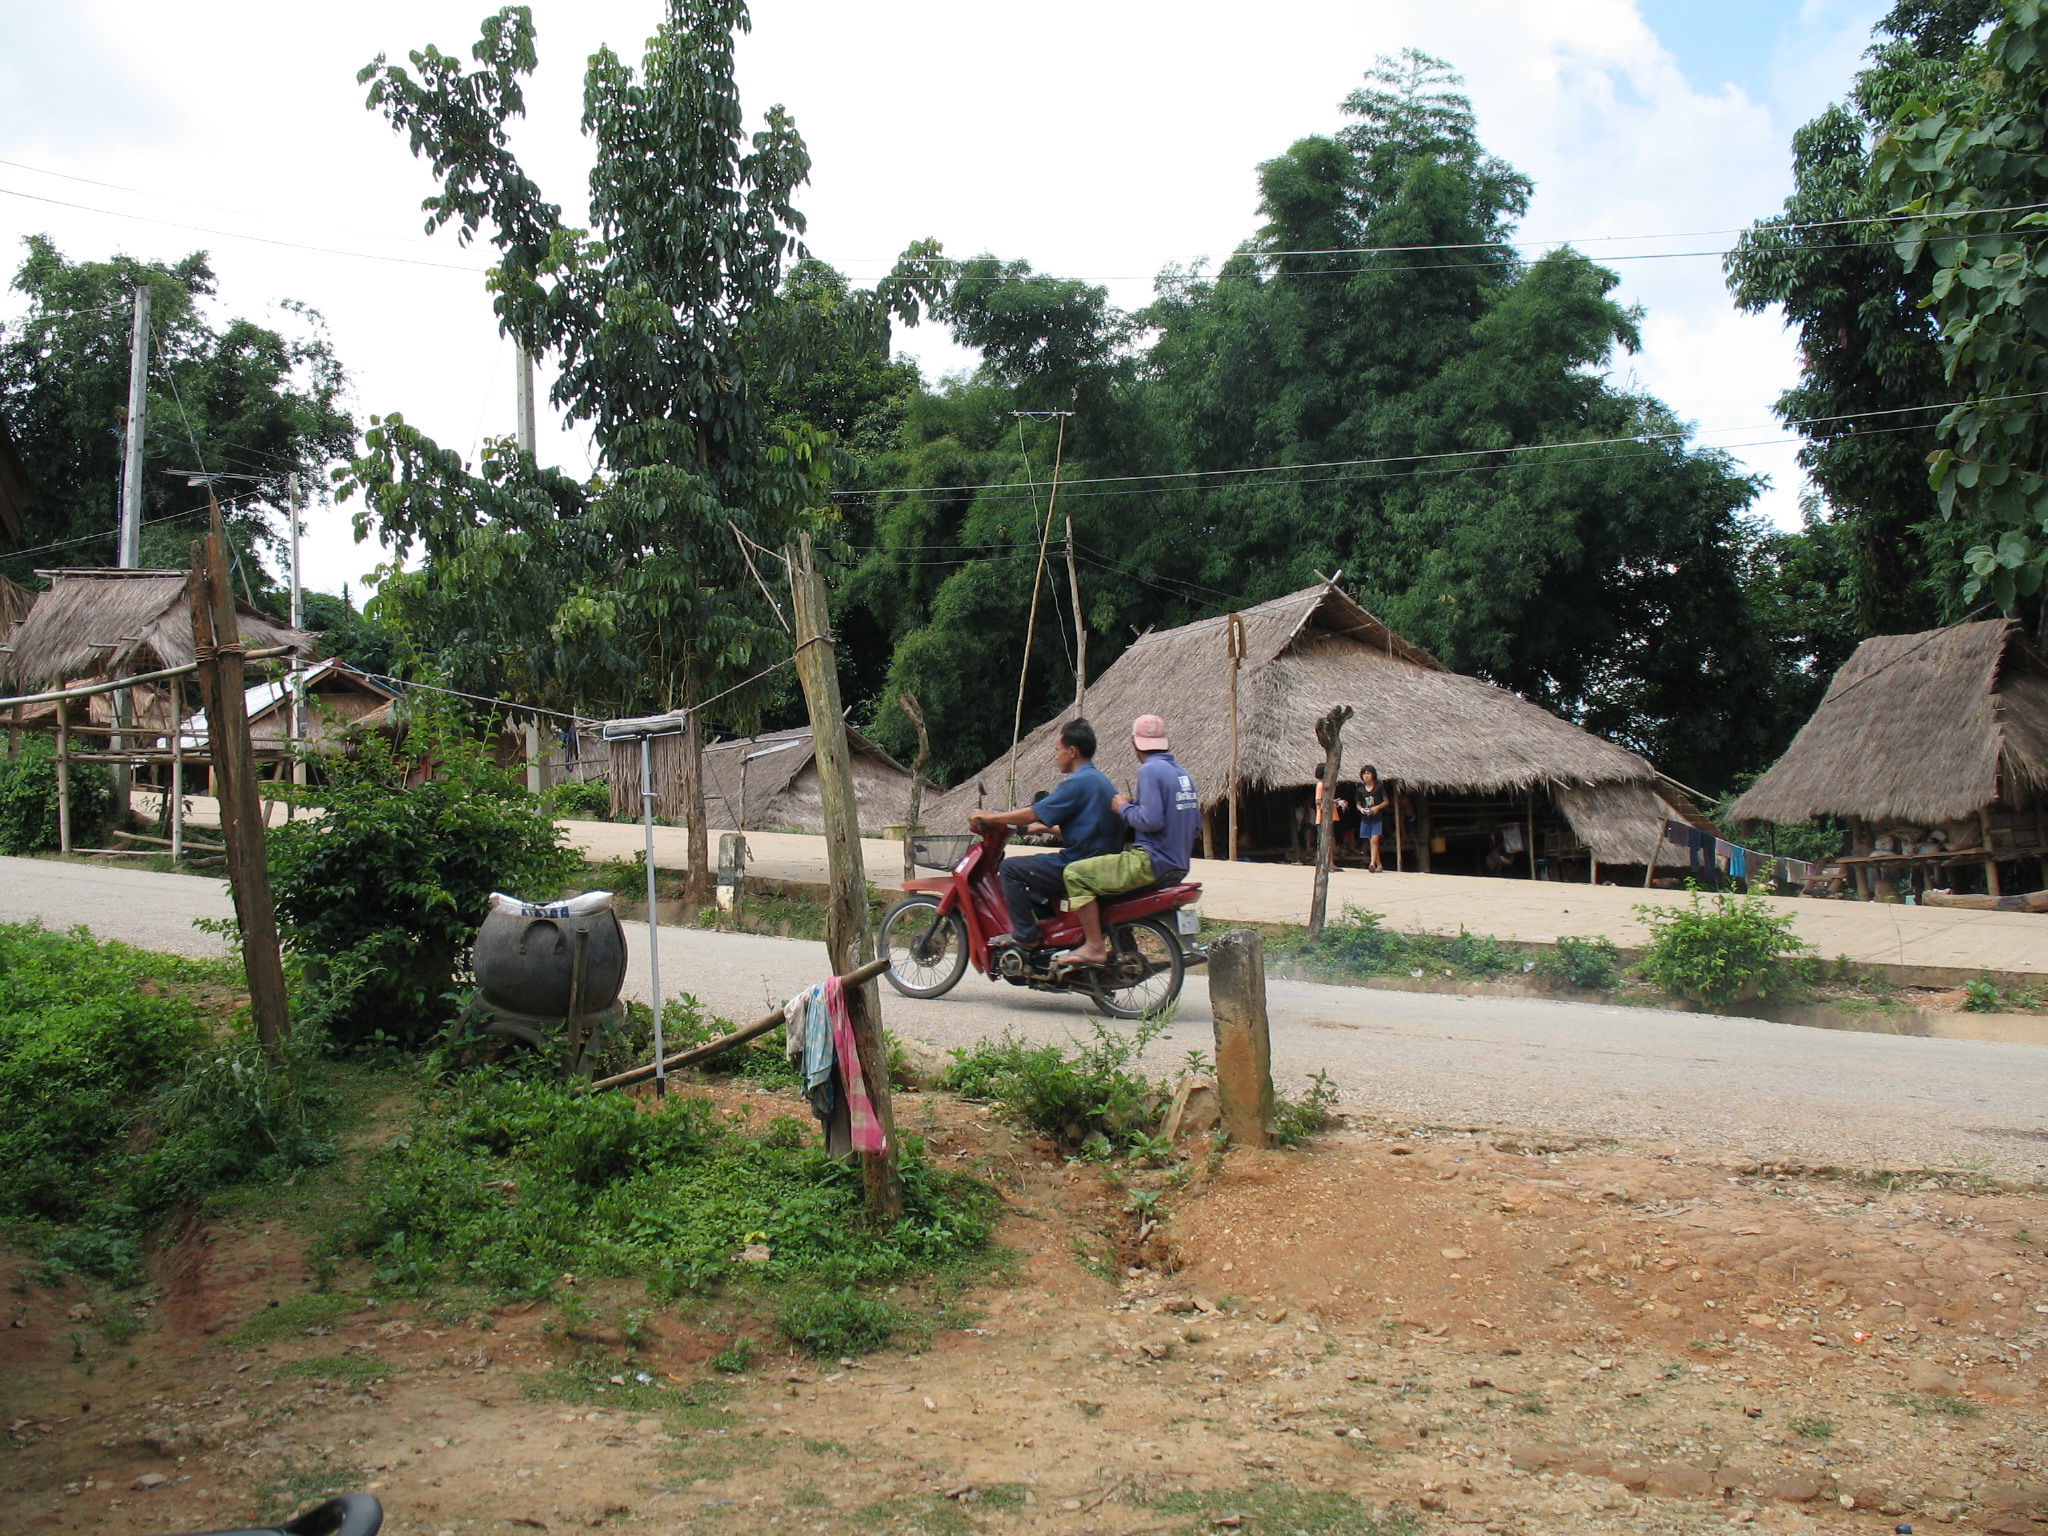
x=1143 y=975
x=927 y=951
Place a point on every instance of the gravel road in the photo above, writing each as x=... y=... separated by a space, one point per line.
x=1742 y=1086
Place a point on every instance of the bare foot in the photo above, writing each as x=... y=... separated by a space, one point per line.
x=1074 y=957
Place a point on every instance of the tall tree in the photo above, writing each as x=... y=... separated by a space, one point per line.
x=1971 y=163
x=667 y=333
x=234 y=397
x=1867 y=341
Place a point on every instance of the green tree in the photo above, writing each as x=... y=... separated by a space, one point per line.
x=1970 y=161
x=1867 y=342
x=670 y=337
x=235 y=397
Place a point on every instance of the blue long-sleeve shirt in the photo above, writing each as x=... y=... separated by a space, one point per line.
x=1166 y=813
x=1079 y=807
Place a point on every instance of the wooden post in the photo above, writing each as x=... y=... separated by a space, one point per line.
x=907 y=702
x=1425 y=834
x=1991 y=881
x=1330 y=734
x=217 y=639
x=1529 y=829
x=177 y=805
x=847 y=936
x=1244 y=1048
x=1234 y=639
x=1208 y=833
x=63 y=777
x=1394 y=804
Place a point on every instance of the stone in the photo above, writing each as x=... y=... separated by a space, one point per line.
x=1537 y=1455
x=1634 y=1478
x=917 y=1065
x=1923 y=1377
x=2017 y=1498
x=2007 y=1524
x=1432 y=1501
x=1675 y=1480
x=1195 y=1110
x=1792 y=1490
x=149 y=1480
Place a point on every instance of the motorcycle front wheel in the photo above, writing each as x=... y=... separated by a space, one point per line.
x=926 y=949
x=1143 y=975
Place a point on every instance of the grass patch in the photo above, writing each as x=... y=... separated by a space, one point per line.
x=299 y=1485
x=507 y=1185
x=291 y=1317
x=1278 y=1508
x=589 y=1383
x=1940 y=1403
x=349 y=1370
x=1812 y=1428
x=1359 y=944
x=1091 y=1097
x=920 y=1513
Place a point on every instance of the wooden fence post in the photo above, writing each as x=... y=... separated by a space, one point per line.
x=63 y=778
x=847 y=936
x=217 y=641
x=1330 y=735
x=1244 y=1048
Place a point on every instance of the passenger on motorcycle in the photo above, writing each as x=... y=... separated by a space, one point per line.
x=1166 y=813
x=1080 y=808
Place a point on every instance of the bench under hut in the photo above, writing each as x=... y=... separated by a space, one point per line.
x=1932 y=750
x=1486 y=782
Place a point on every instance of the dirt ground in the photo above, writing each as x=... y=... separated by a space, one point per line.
x=1393 y=1329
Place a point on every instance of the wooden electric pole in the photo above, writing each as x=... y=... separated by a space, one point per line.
x=217 y=640
x=907 y=702
x=847 y=937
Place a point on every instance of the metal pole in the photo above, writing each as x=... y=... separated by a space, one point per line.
x=653 y=923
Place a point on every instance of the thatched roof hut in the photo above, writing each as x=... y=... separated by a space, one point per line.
x=766 y=783
x=1434 y=733
x=15 y=602
x=1945 y=730
x=101 y=623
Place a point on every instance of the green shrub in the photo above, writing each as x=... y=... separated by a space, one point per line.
x=1073 y=1097
x=116 y=1105
x=1719 y=950
x=1981 y=995
x=579 y=800
x=507 y=1184
x=1357 y=945
x=1295 y=1120
x=28 y=799
x=381 y=896
x=834 y=1322
x=1588 y=964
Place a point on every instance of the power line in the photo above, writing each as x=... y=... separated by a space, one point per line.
x=1454 y=453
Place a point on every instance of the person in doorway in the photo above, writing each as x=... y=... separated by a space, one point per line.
x=1166 y=815
x=1080 y=807
x=1373 y=810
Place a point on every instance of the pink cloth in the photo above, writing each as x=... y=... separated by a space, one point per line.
x=865 y=1129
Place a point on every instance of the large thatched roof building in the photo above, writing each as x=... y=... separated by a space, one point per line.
x=766 y=783
x=1473 y=759
x=102 y=623
x=1937 y=740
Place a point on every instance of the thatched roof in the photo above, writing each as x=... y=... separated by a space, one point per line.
x=1919 y=729
x=1418 y=722
x=15 y=602
x=95 y=624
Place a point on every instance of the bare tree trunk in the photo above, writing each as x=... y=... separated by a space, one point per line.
x=907 y=702
x=697 y=876
x=1330 y=736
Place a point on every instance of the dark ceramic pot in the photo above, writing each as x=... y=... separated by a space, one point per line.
x=527 y=964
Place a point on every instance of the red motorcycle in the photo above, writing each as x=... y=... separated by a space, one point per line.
x=943 y=925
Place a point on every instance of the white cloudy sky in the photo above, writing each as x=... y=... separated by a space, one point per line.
x=1098 y=140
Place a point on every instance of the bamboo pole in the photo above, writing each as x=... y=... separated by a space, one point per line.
x=89 y=690
x=1991 y=881
x=1529 y=829
x=852 y=979
x=63 y=776
x=1400 y=853
x=1234 y=641
x=177 y=805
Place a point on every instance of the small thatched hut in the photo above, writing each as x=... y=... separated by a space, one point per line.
x=766 y=783
x=97 y=624
x=1932 y=747
x=1488 y=781
x=15 y=602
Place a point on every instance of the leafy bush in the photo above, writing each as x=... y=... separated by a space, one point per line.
x=115 y=1105
x=1721 y=950
x=381 y=896
x=842 y=1321
x=579 y=800
x=1981 y=995
x=28 y=798
x=1588 y=964
x=1358 y=944
x=1071 y=1097
x=507 y=1184
x=1295 y=1120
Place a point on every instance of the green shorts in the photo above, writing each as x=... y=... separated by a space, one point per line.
x=1110 y=874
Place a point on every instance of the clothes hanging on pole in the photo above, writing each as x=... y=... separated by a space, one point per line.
x=808 y=1040
x=1738 y=862
x=863 y=1124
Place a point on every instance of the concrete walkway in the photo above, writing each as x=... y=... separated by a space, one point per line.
x=1938 y=946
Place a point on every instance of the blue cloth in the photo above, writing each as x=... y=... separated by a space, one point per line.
x=1738 y=861
x=819 y=1056
x=1079 y=807
x=1166 y=813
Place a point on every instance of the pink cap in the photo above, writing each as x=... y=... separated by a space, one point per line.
x=1148 y=733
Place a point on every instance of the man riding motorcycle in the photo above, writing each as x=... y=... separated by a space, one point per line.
x=1165 y=813
x=1080 y=806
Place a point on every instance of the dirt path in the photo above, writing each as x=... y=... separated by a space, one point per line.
x=1481 y=1333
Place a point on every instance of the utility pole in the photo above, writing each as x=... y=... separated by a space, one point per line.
x=131 y=459
x=130 y=551
x=523 y=386
x=293 y=501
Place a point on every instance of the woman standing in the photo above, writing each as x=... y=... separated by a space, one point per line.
x=1373 y=809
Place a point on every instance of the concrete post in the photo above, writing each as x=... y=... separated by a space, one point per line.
x=1244 y=1050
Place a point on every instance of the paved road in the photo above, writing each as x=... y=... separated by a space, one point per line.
x=1741 y=1085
